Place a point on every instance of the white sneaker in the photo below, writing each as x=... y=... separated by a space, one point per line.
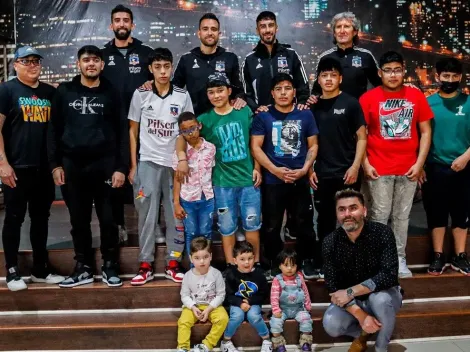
x=14 y=281
x=159 y=236
x=240 y=236
x=123 y=236
x=51 y=279
x=181 y=350
x=267 y=346
x=228 y=346
x=403 y=270
x=200 y=348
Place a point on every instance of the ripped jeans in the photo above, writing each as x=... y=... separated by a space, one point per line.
x=198 y=221
x=234 y=202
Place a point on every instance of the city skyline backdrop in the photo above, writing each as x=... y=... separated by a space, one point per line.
x=423 y=31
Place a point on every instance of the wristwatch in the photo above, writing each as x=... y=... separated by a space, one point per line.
x=350 y=292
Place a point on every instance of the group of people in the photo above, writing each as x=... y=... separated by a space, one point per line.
x=244 y=146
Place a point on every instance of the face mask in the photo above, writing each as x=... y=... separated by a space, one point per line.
x=449 y=87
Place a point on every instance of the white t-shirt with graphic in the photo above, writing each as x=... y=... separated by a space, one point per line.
x=158 y=119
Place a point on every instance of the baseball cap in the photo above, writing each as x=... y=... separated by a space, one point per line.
x=25 y=51
x=218 y=78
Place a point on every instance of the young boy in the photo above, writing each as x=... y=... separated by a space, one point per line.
x=153 y=123
x=246 y=290
x=194 y=200
x=290 y=300
x=202 y=294
x=234 y=179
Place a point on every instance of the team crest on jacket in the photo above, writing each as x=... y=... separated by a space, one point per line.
x=174 y=110
x=134 y=59
x=281 y=62
x=356 y=61
x=220 y=66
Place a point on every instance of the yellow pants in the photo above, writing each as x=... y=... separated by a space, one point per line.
x=218 y=318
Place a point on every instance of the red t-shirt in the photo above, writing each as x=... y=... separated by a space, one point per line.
x=393 y=123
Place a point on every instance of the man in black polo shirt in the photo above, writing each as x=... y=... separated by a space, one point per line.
x=361 y=274
x=342 y=144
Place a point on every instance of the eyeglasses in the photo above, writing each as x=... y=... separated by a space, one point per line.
x=189 y=131
x=396 y=72
x=25 y=62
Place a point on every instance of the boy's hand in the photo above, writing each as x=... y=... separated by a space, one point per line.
x=197 y=312
x=278 y=315
x=245 y=306
x=257 y=178
x=205 y=314
x=180 y=214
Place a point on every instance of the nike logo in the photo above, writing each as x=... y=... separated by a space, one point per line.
x=385 y=112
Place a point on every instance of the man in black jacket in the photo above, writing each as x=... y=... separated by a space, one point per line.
x=88 y=151
x=126 y=67
x=195 y=67
x=266 y=60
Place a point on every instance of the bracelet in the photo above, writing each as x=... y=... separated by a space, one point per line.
x=182 y=160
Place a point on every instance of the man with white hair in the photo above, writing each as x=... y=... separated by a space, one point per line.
x=358 y=64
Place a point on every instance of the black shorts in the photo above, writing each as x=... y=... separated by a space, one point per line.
x=445 y=193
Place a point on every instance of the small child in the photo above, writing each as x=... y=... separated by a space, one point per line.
x=246 y=290
x=193 y=201
x=202 y=294
x=290 y=300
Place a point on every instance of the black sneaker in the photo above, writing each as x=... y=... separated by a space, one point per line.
x=460 y=263
x=14 y=280
x=308 y=269
x=438 y=265
x=110 y=274
x=83 y=274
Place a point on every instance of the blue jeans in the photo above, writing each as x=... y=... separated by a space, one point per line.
x=198 y=221
x=232 y=202
x=254 y=317
x=302 y=317
x=383 y=305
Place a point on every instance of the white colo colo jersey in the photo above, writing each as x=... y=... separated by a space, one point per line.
x=158 y=120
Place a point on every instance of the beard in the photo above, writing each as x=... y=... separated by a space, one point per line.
x=210 y=45
x=352 y=226
x=91 y=76
x=119 y=34
x=269 y=42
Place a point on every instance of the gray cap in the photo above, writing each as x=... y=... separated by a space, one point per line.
x=25 y=51
x=219 y=77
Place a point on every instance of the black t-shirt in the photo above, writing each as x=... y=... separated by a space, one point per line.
x=27 y=112
x=338 y=120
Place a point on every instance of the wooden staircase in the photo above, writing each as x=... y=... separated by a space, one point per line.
x=46 y=317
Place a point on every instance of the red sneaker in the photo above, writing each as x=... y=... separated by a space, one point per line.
x=144 y=275
x=173 y=271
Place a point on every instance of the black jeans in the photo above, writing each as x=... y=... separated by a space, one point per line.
x=34 y=191
x=324 y=200
x=85 y=181
x=296 y=199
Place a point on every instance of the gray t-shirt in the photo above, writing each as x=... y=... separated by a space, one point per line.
x=203 y=289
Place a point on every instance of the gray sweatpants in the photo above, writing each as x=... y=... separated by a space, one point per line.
x=393 y=195
x=152 y=181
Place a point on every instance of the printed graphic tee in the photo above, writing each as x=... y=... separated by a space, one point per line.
x=285 y=138
x=393 y=123
x=158 y=119
x=231 y=136
x=27 y=112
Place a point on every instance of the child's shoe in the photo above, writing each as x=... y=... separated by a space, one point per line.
x=279 y=343
x=305 y=342
x=200 y=348
x=267 y=346
x=228 y=346
x=173 y=271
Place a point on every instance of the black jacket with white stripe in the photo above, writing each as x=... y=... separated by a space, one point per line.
x=359 y=67
x=260 y=67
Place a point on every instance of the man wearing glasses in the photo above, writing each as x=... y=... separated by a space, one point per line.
x=399 y=136
x=25 y=109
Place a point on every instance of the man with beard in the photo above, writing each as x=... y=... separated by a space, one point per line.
x=266 y=60
x=361 y=268
x=25 y=109
x=194 y=68
x=88 y=149
x=126 y=67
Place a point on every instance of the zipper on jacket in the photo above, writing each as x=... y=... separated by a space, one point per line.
x=271 y=65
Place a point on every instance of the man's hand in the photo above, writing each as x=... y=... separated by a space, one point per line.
x=262 y=108
x=414 y=172
x=350 y=176
x=281 y=173
x=257 y=178
x=459 y=164
x=422 y=178
x=59 y=176
x=313 y=179
x=182 y=171
x=118 y=179
x=131 y=176
x=370 y=325
x=147 y=85
x=313 y=99
x=180 y=214
x=205 y=314
x=371 y=172
x=296 y=174
x=277 y=315
x=340 y=298
x=303 y=106
x=8 y=176
x=197 y=312
x=239 y=104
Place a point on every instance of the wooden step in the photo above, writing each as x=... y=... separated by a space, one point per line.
x=159 y=330
x=40 y=297
x=419 y=251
